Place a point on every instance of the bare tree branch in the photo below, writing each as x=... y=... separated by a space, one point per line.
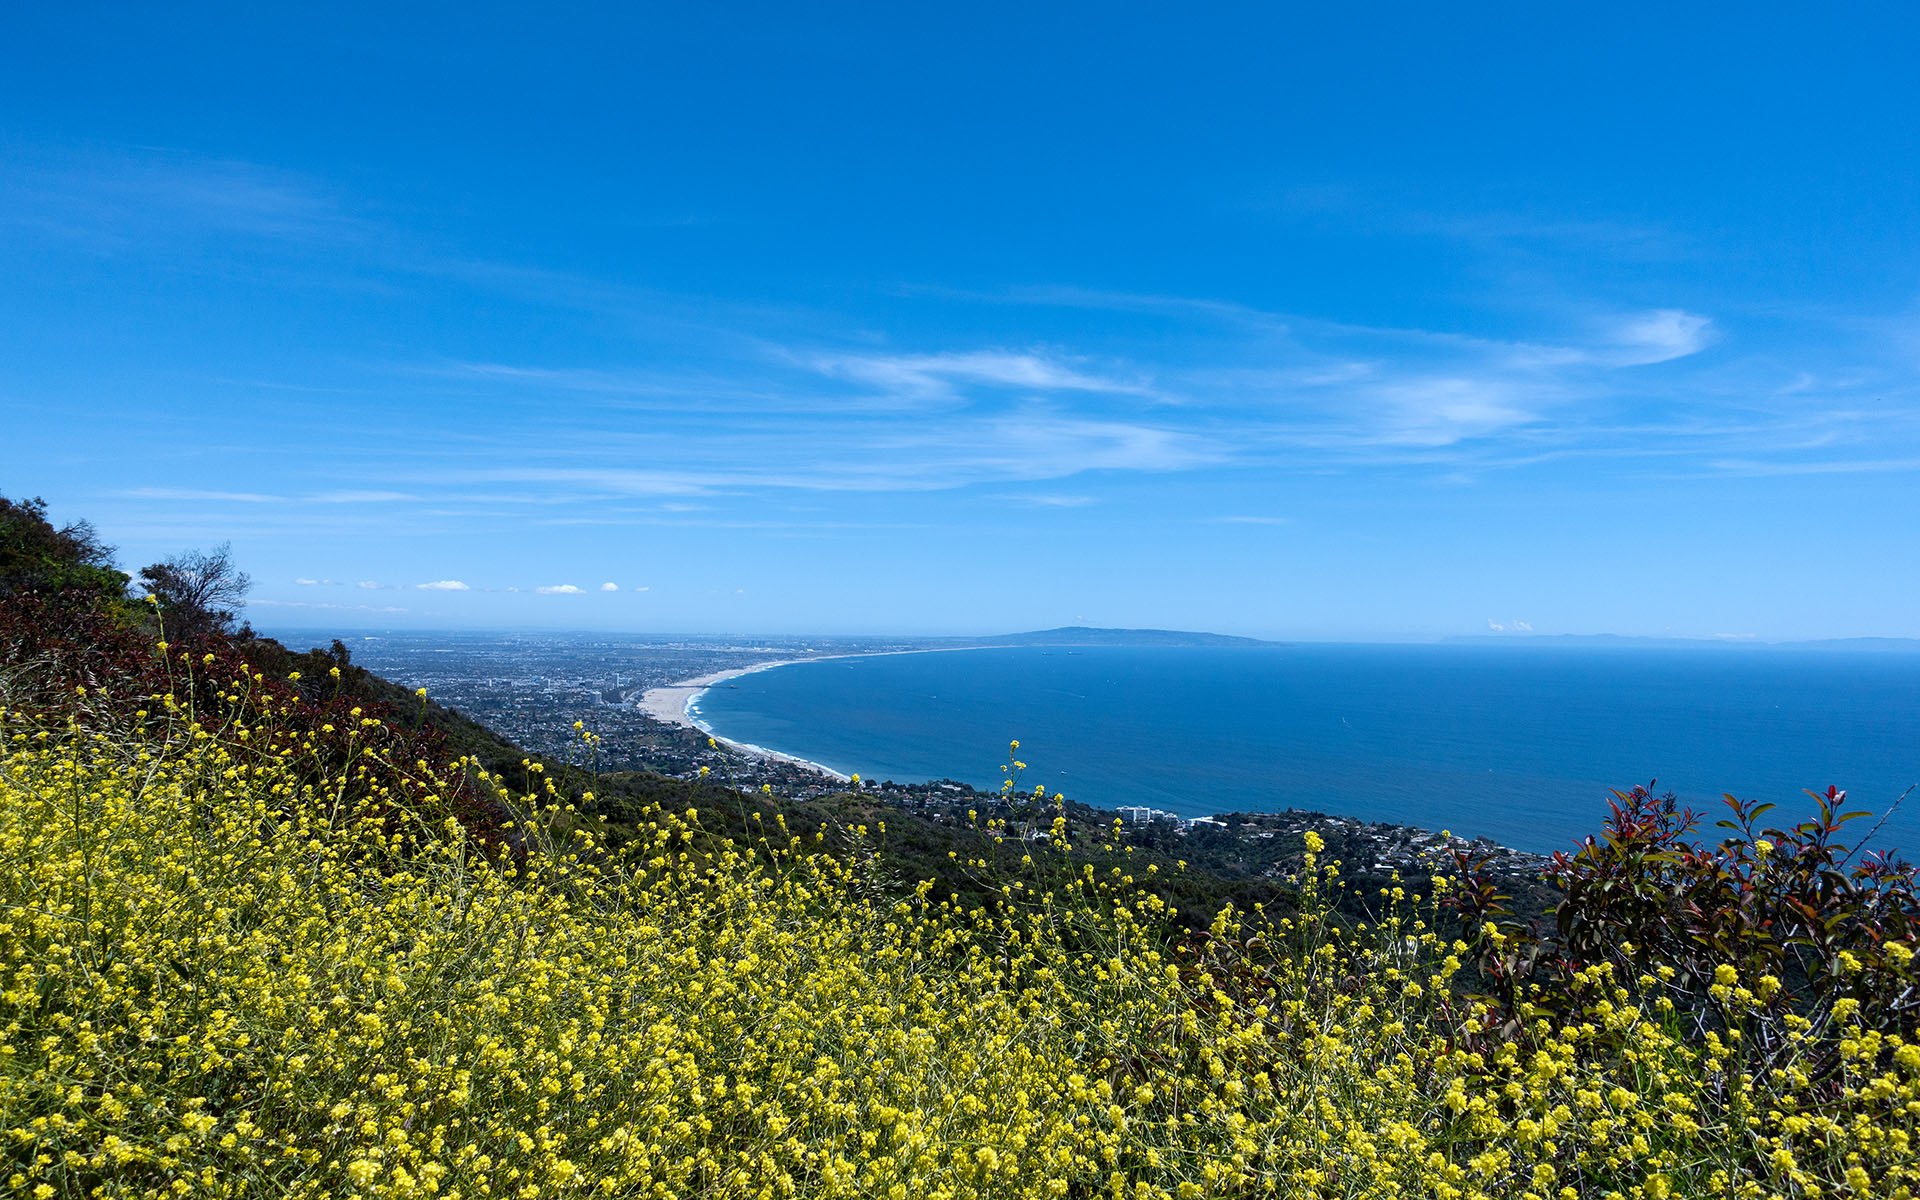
x=200 y=592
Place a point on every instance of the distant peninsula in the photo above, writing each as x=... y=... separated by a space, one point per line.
x=1088 y=635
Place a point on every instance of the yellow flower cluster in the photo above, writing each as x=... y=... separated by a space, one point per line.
x=219 y=978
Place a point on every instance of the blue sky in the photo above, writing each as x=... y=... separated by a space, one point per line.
x=1390 y=322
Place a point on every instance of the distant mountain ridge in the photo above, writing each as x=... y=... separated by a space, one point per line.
x=1089 y=635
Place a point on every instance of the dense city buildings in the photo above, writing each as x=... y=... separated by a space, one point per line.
x=531 y=688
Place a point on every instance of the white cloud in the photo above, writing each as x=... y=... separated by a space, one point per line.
x=200 y=495
x=149 y=199
x=1660 y=336
x=1042 y=445
x=560 y=589
x=623 y=481
x=356 y=497
x=643 y=589
x=1026 y=445
x=1205 y=385
x=443 y=585
x=1048 y=500
x=308 y=582
x=1834 y=467
x=372 y=585
x=932 y=376
x=1441 y=411
x=609 y=587
x=1508 y=626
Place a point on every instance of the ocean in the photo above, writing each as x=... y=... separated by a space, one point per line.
x=1517 y=744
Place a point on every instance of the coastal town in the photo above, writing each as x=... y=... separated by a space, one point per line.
x=532 y=688
x=632 y=693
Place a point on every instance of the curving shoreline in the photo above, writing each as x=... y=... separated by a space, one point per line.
x=675 y=703
x=670 y=703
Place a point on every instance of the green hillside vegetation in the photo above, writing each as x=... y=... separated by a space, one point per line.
x=269 y=926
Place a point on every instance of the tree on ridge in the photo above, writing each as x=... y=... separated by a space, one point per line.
x=199 y=591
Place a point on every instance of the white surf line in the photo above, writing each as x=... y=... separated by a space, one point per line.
x=676 y=703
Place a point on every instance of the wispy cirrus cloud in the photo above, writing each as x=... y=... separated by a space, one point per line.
x=200 y=495
x=1280 y=387
x=362 y=497
x=1487 y=223
x=1660 y=336
x=216 y=496
x=741 y=400
x=1024 y=445
x=1227 y=385
x=153 y=200
x=1445 y=410
x=607 y=480
x=1790 y=466
x=947 y=376
x=1048 y=499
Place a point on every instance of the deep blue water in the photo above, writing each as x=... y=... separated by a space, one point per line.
x=1517 y=744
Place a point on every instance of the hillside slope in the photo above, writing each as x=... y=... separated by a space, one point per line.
x=260 y=937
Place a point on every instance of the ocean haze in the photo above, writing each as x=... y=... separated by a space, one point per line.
x=1492 y=741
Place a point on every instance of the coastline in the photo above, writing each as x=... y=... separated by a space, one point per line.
x=678 y=703
x=675 y=703
x=669 y=704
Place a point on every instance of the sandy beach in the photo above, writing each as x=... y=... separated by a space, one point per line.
x=670 y=704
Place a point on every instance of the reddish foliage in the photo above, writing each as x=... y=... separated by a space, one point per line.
x=1798 y=903
x=51 y=648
